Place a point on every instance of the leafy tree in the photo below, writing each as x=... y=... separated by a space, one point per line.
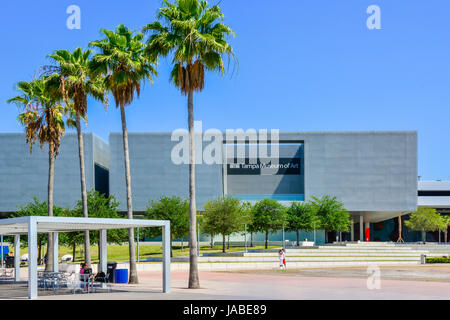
x=122 y=62
x=223 y=216
x=269 y=216
x=37 y=208
x=43 y=119
x=332 y=214
x=76 y=84
x=424 y=219
x=71 y=239
x=194 y=33
x=301 y=216
x=100 y=206
x=174 y=209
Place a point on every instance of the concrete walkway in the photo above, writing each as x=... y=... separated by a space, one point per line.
x=318 y=284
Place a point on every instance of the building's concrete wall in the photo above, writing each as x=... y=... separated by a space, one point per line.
x=368 y=171
x=442 y=201
x=101 y=152
x=24 y=175
x=153 y=174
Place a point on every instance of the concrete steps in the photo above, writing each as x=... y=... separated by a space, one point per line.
x=311 y=259
x=335 y=254
x=349 y=254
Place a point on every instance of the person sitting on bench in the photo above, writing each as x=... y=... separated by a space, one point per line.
x=85 y=270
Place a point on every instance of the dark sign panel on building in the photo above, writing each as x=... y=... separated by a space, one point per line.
x=284 y=166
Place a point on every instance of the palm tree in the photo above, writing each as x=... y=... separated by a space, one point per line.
x=196 y=36
x=43 y=120
x=76 y=83
x=123 y=63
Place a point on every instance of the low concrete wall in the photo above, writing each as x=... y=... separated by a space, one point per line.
x=184 y=267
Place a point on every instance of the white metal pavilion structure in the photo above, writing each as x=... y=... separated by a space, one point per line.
x=31 y=226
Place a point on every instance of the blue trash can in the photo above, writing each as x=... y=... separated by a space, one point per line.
x=121 y=276
x=5 y=252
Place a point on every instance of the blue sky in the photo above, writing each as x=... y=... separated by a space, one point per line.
x=303 y=65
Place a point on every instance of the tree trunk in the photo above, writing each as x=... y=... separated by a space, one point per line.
x=212 y=241
x=39 y=251
x=99 y=248
x=267 y=239
x=251 y=239
x=424 y=236
x=194 y=282
x=298 y=238
x=74 y=252
x=51 y=179
x=133 y=271
x=445 y=236
x=171 y=246
x=223 y=243
x=228 y=243
x=87 y=242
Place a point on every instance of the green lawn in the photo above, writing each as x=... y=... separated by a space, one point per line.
x=120 y=252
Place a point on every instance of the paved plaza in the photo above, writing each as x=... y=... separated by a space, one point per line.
x=408 y=282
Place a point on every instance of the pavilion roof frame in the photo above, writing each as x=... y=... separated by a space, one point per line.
x=45 y=224
x=33 y=225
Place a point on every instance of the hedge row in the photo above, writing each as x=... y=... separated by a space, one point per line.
x=438 y=260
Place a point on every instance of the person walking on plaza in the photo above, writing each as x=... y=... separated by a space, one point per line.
x=284 y=257
x=281 y=256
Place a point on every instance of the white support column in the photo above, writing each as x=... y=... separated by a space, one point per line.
x=137 y=239
x=32 y=259
x=166 y=257
x=17 y=258
x=361 y=228
x=1 y=250
x=55 y=252
x=103 y=251
x=352 y=231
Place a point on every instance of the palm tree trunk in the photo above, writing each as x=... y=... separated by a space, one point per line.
x=194 y=282
x=51 y=179
x=87 y=242
x=39 y=251
x=133 y=271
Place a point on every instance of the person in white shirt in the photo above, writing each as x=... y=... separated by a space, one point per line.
x=282 y=257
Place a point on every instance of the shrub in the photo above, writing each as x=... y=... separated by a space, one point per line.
x=438 y=260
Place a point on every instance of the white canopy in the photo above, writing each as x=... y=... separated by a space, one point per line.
x=31 y=226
